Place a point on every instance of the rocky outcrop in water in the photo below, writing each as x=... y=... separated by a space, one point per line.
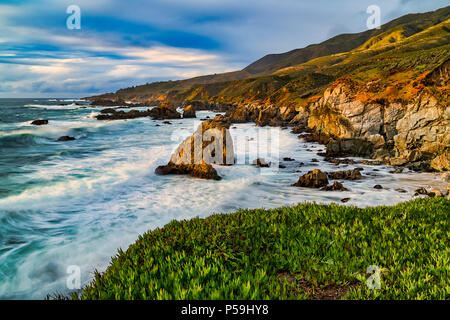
x=336 y=186
x=189 y=112
x=112 y=114
x=354 y=174
x=66 y=138
x=39 y=122
x=164 y=111
x=210 y=144
x=313 y=179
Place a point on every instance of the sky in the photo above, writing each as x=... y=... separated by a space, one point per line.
x=123 y=43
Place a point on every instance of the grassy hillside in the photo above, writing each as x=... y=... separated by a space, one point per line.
x=407 y=25
x=302 y=252
x=339 y=56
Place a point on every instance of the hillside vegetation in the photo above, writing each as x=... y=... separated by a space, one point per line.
x=294 y=76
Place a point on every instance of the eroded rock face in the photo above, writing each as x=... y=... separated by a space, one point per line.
x=243 y=113
x=442 y=162
x=262 y=114
x=210 y=144
x=413 y=134
x=313 y=179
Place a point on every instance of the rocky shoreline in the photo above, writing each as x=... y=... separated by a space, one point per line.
x=340 y=135
x=413 y=134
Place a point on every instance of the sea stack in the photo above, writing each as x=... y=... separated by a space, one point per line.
x=210 y=144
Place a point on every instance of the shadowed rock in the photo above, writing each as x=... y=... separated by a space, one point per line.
x=346 y=175
x=189 y=112
x=39 y=122
x=336 y=186
x=66 y=138
x=313 y=179
x=164 y=112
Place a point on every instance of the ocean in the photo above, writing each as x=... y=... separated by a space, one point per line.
x=75 y=203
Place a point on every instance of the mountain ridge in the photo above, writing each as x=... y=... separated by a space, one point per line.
x=409 y=24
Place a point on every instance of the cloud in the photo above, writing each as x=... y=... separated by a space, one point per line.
x=124 y=43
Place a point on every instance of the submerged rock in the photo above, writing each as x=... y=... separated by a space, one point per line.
x=313 y=179
x=66 y=138
x=39 y=122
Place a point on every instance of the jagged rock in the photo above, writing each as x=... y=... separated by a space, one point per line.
x=357 y=147
x=345 y=200
x=313 y=179
x=442 y=162
x=346 y=175
x=421 y=191
x=288 y=159
x=287 y=114
x=301 y=118
x=435 y=193
x=39 y=122
x=167 y=122
x=164 y=112
x=66 y=138
x=401 y=190
x=210 y=144
x=261 y=163
x=189 y=112
x=378 y=187
x=243 y=113
x=269 y=116
x=336 y=186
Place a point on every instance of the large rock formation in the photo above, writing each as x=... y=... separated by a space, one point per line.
x=210 y=144
x=414 y=133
